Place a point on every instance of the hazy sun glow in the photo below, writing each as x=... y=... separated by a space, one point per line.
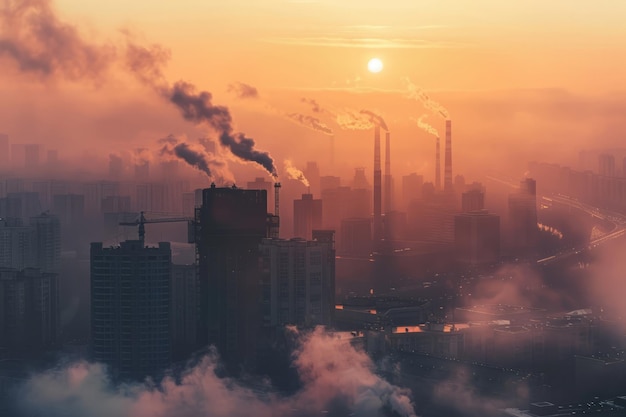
x=375 y=65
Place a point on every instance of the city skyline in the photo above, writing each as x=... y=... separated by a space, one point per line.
x=312 y=207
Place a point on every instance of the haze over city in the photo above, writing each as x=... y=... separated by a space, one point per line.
x=294 y=207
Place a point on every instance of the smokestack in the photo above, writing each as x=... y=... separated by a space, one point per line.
x=438 y=166
x=448 y=162
x=377 y=188
x=387 y=173
x=277 y=199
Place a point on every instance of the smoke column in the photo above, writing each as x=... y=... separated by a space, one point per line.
x=387 y=173
x=447 y=186
x=197 y=108
x=416 y=93
x=184 y=151
x=243 y=90
x=294 y=173
x=34 y=38
x=425 y=126
x=310 y=122
x=376 y=119
x=428 y=128
x=378 y=225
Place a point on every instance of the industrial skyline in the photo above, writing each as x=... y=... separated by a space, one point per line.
x=235 y=208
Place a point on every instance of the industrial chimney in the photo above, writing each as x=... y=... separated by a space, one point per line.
x=447 y=187
x=378 y=224
x=387 y=173
x=276 y=199
x=438 y=166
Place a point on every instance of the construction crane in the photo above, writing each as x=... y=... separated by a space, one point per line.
x=141 y=222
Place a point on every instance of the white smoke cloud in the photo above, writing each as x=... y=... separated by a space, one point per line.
x=337 y=380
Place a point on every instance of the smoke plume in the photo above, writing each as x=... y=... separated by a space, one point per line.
x=294 y=173
x=310 y=122
x=353 y=120
x=376 y=119
x=242 y=90
x=194 y=157
x=198 y=108
x=337 y=380
x=416 y=93
x=425 y=126
x=32 y=36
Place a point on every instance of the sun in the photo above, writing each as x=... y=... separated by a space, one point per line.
x=375 y=65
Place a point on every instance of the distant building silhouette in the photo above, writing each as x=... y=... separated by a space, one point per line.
x=523 y=217
x=31 y=156
x=355 y=237
x=473 y=200
x=4 y=152
x=130 y=308
x=606 y=165
x=298 y=280
x=307 y=216
x=29 y=314
x=477 y=237
x=47 y=241
x=411 y=188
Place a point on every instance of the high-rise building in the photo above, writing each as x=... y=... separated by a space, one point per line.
x=312 y=173
x=298 y=281
x=18 y=155
x=231 y=224
x=606 y=165
x=142 y=171
x=31 y=156
x=329 y=182
x=523 y=231
x=116 y=203
x=260 y=183
x=47 y=241
x=307 y=216
x=411 y=187
x=29 y=310
x=22 y=205
x=473 y=200
x=477 y=237
x=69 y=207
x=355 y=237
x=130 y=308
x=4 y=152
x=184 y=317
x=16 y=244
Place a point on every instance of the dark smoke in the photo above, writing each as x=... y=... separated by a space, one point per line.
x=193 y=158
x=242 y=90
x=310 y=122
x=315 y=106
x=243 y=148
x=376 y=119
x=34 y=38
x=184 y=151
x=197 y=108
x=146 y=62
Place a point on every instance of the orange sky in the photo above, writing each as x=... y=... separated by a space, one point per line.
x=521 y=79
